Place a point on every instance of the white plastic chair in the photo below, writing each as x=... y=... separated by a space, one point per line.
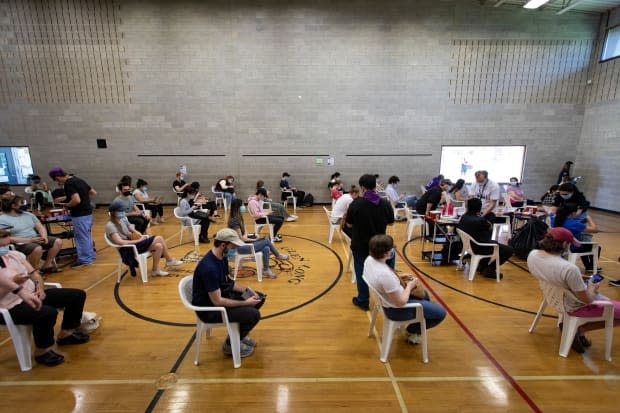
x=292 y=197
x=142 y=259
x=21 y=336
x=572 y=256
x=219 y=198
x=413 y=221
x=332 y=227
x=350 y=266
x=467 y=240
x=185 y=291
x=188 y=223
x=390 y=326
x=553 y=295
x=252 y=255
x=258 y=227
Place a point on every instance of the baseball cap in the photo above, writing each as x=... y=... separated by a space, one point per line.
x=229 y=235
x=562 y=234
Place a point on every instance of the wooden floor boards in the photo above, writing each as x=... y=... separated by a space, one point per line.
x=313 y=352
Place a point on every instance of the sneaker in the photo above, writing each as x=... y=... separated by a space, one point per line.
x=245 y=349
x=615 y=283
x=414 y=339
x=174 y=263
x=291 y=219
x=277 y=238
x=269 y=274
x=283 y=257
x=249 y=341
x=363 y=306
x=78 y=264
x=160 y=273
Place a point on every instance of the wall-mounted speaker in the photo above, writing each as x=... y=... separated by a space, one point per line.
x=101 y=143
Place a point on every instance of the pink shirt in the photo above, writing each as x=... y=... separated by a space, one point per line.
x=15 y=263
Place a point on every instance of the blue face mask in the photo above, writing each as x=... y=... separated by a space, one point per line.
x=4 y=250
x=566 y=196
x=230 y=254
x=242 y=209
x=513 y=183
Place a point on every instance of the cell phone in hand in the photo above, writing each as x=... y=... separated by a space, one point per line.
x=596 y=278
x=248 y=293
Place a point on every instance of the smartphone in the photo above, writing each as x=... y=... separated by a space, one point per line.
x=247 y=293
x=596 y=278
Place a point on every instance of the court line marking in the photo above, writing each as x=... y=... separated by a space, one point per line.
x=475 y=340
x=293 y=380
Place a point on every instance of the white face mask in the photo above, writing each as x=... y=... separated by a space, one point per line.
x=242 y=209
x=513 y=183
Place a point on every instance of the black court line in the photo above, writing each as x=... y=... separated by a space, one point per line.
x=140 y=316
x=507 y=376
x=495 y=303
x=160 y=392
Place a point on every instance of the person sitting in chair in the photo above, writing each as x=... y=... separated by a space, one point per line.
x=121 y=232
x=287 y=190
x=481 y=230
x=260 y=213
x=29 y=235
x=22 y=293
x=548 y=265
x=140 y=194
x=134 y=215
x=387 y=283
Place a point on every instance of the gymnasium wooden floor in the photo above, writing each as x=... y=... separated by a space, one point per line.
x=313 y=352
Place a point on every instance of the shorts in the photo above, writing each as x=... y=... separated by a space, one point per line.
x=27 y=249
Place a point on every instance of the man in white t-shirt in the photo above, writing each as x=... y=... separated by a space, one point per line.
x=486 y=190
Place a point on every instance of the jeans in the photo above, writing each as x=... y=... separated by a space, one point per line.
x=228 y=197
x=411 y=200
x=83 y=240
x=433 y=314
x=43 y=320
x=262 y=245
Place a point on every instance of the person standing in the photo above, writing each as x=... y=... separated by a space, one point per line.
x=78 y=200
x=486 y=190
x=213 y=288
x=368 y=215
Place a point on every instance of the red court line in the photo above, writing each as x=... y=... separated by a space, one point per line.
x=477 y=342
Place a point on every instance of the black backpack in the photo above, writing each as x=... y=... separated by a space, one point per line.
x=308 y=200
x=527 y=237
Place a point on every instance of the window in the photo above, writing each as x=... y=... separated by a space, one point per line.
x=611 y=46
x=15 y=165
x=502 y=162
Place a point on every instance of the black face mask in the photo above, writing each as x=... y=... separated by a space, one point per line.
x=127 y=193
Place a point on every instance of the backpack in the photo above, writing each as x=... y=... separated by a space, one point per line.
x=527 y=237
x=308 y=200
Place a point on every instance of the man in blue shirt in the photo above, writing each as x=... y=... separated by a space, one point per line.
x=213 y=288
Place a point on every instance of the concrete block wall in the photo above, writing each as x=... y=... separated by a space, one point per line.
x=232 y=87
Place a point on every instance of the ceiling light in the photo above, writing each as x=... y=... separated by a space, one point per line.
x=534 y=4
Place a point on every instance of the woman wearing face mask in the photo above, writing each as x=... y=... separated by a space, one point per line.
x=154 y=205
x=22 y=293
x=569 y=194
x=514 y=191
x=235 y=222
x=581 y=227
x=193 y=210
x=120 y=231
